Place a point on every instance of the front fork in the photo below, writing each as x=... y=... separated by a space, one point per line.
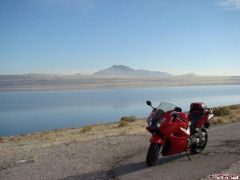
x=156 y=139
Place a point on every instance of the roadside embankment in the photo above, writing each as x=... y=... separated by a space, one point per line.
x=87 y=152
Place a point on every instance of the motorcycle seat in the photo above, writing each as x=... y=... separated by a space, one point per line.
x=194 y=117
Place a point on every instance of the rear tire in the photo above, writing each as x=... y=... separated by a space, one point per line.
x=198 y=148
x=153 y=153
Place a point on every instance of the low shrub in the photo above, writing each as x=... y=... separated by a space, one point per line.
x=232 y=116
x=234 y=107
x=86 y=128
x=221 y=111
x=123 y=123
x=128 y=118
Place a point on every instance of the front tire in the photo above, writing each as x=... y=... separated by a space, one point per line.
x=153 y=153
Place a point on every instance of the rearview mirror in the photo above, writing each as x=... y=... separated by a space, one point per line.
x=178 y=109
x=149 y=103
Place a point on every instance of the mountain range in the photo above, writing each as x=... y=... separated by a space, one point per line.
x=125 y=71
x=116 y=76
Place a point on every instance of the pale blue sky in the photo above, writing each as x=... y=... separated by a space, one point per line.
x=74 y=36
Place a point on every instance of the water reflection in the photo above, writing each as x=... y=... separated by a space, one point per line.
x=23 y=112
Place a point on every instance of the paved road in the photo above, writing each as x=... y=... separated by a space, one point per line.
x=222 y=151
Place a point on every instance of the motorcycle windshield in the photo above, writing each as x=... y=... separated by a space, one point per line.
x=165 y=106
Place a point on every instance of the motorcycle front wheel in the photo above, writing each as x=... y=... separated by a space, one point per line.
x=153 y=153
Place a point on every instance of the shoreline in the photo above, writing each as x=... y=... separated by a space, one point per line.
x=231 y=112
x=72 y=83
x=109 y=88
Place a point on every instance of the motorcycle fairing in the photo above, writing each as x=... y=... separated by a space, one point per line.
x=177 y=137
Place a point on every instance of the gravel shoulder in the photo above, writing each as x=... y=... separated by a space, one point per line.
x=75 y=160
x=71 y=153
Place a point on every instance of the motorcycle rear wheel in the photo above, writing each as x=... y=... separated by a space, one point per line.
x=153 y=153
x=198 y=148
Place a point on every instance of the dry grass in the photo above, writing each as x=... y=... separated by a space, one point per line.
x=123 y=123
x=226 y=114
x=234 y=107
x=87 y=128
x=222 y=111
x=84 y=133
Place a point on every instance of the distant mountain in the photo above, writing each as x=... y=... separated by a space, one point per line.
x=125 y=71
x=187 y=75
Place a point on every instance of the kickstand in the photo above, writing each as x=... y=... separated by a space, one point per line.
x=188 y=156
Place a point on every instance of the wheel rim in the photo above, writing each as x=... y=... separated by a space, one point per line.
x=201 y=145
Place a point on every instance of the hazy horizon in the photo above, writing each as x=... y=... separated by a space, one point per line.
x=84 y=36
x=90 y=73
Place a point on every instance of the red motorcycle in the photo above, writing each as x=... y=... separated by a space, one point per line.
x=174 y=131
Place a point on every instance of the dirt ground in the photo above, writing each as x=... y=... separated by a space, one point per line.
x=85 y=153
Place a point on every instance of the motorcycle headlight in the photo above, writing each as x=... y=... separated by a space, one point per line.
x=164 y=119
x=150 y=121
x=160 y=122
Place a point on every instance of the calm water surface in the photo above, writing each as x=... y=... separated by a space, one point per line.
x=31 y=111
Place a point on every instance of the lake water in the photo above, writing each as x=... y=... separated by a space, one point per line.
x=31 y=111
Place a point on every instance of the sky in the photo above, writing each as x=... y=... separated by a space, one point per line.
x=83 y=36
